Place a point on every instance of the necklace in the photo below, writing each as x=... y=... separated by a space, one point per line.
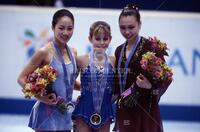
x=100 y=67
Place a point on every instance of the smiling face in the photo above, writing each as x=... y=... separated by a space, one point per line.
x=100 y=35
x=63 y=29
x=101 y=39
x=129 y=27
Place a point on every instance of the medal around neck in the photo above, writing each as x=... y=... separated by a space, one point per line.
x=95 y=119
x=98 y=56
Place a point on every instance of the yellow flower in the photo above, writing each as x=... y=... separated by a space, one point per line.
x=27 y=87
x=42 y=77
x=42 y=81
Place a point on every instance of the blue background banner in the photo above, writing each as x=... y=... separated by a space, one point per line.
x=168 y=112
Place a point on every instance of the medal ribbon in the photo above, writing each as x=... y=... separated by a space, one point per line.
x=69 y=85
x=122 y=81
x=98 y=88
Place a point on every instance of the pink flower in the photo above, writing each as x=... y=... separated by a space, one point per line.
x=157 y=74
x=144 y=64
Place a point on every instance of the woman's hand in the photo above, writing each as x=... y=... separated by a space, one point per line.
x=50 y=99
x=143 y=82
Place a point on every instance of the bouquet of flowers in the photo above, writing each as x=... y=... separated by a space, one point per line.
x=37 y=81
x=155 y=67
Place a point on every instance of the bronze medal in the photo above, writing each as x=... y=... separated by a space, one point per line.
x=70 y=107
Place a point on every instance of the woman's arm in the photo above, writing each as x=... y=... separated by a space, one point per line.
x=112 y=60
x=35 y=62
x=82 y=62
x=77 y=83
x=39 y=59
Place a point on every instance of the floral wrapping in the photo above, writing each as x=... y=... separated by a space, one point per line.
x=153 y=63
x=153 y=66
x=40 y=79
x=40 y=82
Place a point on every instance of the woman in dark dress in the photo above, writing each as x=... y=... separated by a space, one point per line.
x=139 y=111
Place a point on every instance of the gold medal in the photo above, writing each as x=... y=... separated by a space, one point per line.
x=95 y=119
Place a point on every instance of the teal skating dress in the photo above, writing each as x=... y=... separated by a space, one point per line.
x=49 y=118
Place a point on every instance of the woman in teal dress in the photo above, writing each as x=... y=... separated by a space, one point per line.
x=45 y=115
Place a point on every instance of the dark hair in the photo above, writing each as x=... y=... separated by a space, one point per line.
x=99 y=25
x=60 y=13
x=130 y=10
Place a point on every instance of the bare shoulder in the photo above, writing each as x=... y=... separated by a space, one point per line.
x=42 y=55
x=41 y=52
x=46 y=49
x=112 y=60
x=83 y=60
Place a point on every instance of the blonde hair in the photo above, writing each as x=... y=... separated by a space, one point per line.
x=99 y=26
